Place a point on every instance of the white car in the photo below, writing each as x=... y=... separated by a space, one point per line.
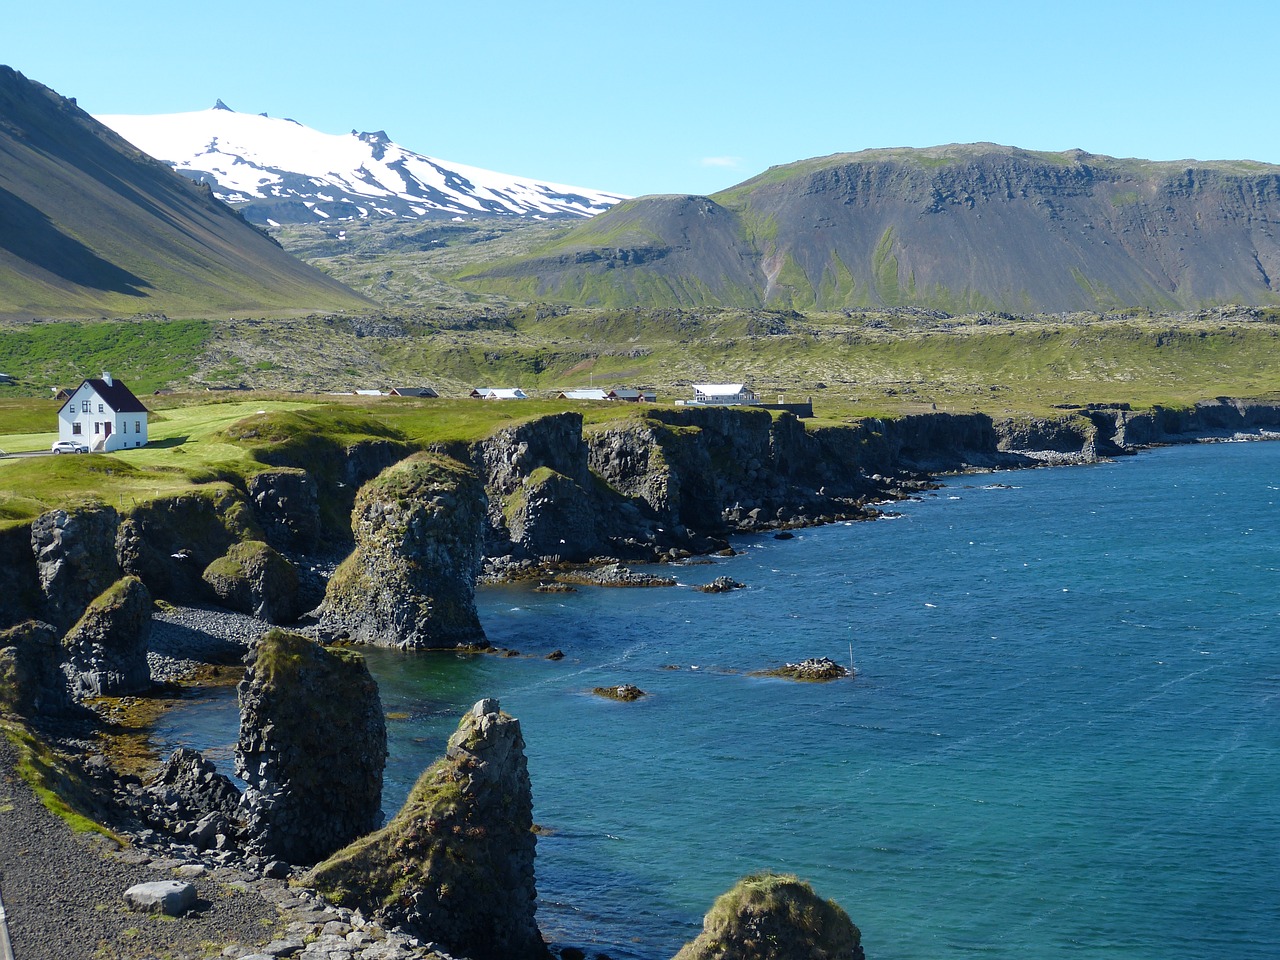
x=69 y=446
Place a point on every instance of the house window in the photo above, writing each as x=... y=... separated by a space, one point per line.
x=97 y=427
x=124 y=426
x=100 y=408
x=75 y=430
x=137 y=426
x=84 y=406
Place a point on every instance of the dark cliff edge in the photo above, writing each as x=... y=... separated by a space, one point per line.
x=553 y=491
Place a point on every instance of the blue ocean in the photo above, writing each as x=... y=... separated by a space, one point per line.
x=1061 y=740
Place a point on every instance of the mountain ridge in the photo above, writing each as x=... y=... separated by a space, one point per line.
x=957 y=227
x=91 y=226
x=279 y=171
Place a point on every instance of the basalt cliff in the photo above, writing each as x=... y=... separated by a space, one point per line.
x=418 y=528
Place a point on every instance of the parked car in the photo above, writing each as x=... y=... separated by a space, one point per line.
x=69 y=446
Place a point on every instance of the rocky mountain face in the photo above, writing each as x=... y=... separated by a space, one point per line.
x=277 y=171
x=93 y=226
x=957 y=228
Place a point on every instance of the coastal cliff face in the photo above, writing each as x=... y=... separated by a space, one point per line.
x=664 y=484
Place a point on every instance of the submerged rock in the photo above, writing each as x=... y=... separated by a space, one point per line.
x=815 y=668
x=624 y=693
x=312 y=748
x=455 y=866
x=106 y=651
x=410 y=581
x=771 y=916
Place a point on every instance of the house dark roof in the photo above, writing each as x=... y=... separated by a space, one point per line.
x=119 y=397
x=413 y=392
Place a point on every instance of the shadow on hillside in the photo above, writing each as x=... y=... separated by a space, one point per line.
x=31 y=236
x=168 y=442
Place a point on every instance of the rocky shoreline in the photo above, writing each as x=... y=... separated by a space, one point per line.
x=543 y=499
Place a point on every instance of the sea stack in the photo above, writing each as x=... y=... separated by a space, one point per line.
x=455 y=866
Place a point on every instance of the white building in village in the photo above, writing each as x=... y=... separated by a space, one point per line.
x=104 y=415
x=722 y=394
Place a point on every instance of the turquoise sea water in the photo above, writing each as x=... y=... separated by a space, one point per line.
x=1061 y=741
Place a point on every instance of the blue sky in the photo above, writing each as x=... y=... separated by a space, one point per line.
x=667 y=97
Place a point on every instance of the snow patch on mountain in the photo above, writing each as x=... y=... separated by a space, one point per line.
x=280 y=171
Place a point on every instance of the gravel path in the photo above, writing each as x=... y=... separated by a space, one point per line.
x=64 y=893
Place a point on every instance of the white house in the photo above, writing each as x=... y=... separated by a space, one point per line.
x=584 y=393
x=104 y=415
x=498 y=393
x=722 y=394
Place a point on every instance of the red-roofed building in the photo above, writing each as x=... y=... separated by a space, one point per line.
x=104 y=415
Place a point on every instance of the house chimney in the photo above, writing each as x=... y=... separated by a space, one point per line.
x=106 y=378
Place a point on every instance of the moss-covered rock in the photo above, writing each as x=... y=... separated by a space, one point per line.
x=312 y=748
x=168 y=542
x=106 y=651
x=252 y=578
x=31 y=684
x=456 y=864
x=771 y=916
x=410 y=582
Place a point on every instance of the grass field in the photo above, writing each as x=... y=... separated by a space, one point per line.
x=851 y=365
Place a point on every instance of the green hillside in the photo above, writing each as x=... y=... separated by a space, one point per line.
x=957 y=228
x=90 y=226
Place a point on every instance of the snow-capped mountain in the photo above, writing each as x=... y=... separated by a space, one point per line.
x=279 y=171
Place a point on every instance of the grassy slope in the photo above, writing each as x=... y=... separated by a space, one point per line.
x=95 y=228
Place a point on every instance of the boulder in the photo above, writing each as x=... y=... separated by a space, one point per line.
x=774 y=917
x=455 y=866
x=410 y=582
x=106 y=651
x=192 y=781
x=31 y=683
x=312 y=748
x=75 y=559
x=172 y=898
x=253 y=578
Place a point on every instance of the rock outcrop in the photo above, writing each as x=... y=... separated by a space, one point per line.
x=75 y=556
x=20 y=595
x=253 y=578
x=287 y=505
x=312 y=748
x=410 y=582
x=455 y=866
x=170 y=541
x=774 y=917
x=106 y=651
x=31 y=682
